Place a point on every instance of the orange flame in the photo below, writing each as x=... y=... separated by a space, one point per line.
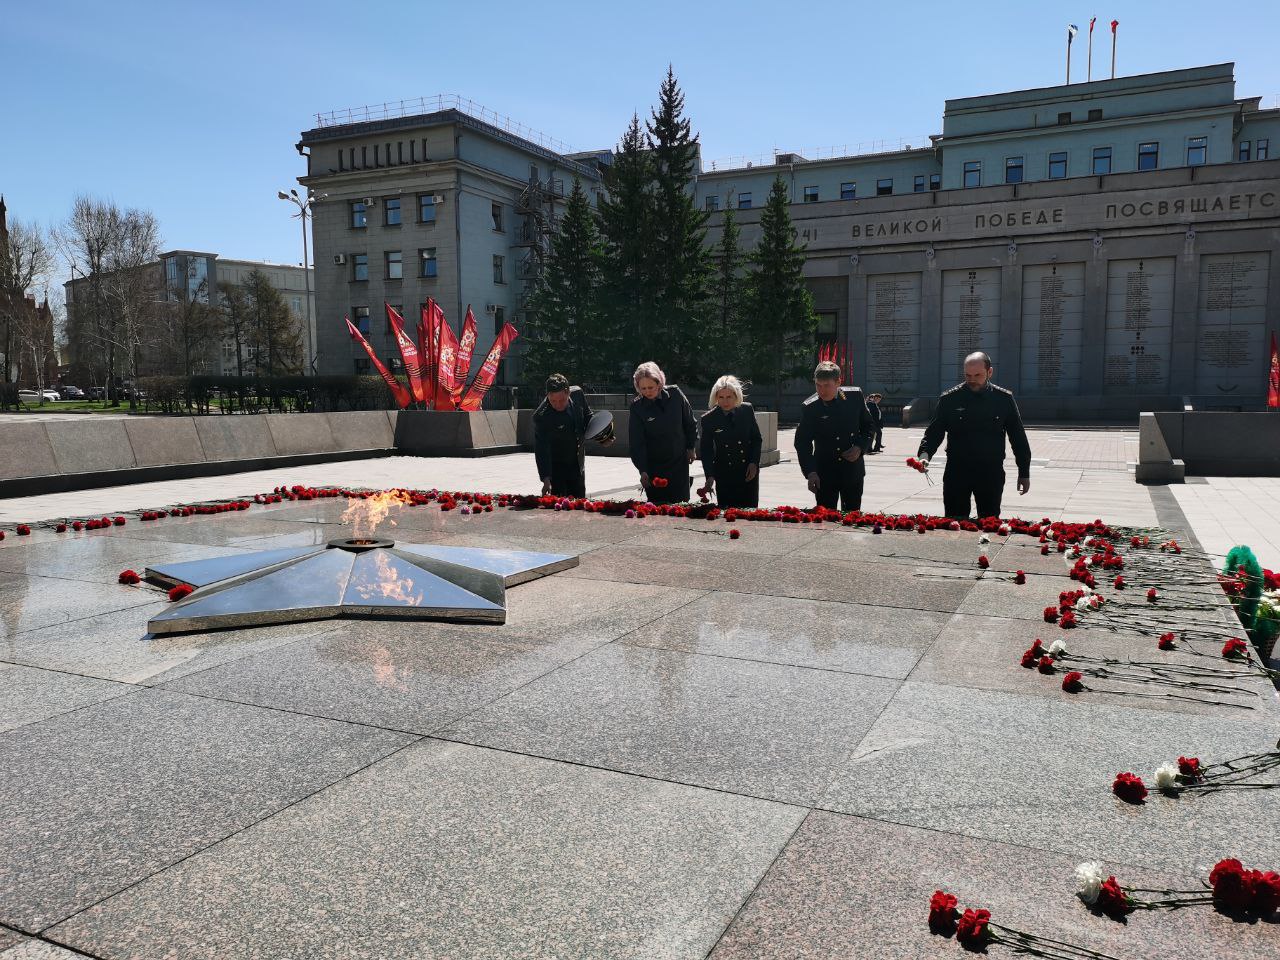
x=365 y=515
x=390 y=586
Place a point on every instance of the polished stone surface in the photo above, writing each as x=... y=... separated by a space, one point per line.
x=96 y=800
x=28 y=695
x=28 y=603
x=451 y=851
x=758 y=729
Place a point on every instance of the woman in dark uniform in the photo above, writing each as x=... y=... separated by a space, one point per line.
x=729 y=446
x=662 y=435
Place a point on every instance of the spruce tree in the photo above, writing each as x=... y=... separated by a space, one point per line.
x=729 y=338
x=780 y=307
x=626 y=219
x=275 y=337
x=681 y=267
x=571 y=336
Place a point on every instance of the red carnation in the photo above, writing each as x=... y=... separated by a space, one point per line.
x=660 y=482
x=77 y=525
x=1045 y=664
x=1019 y=577
x=1165 y=642
x=1231 y=886
x=1050 y=614
x=1266 y=891
x=1129 y=788
x=942 y=913
x=180 y=591
x=1152 y=595
x=734 y=533
x=61 y=528
x=1119 y=583
x=1044 y=549
x=23 y=530
x=1189 y=767
x=971 y=929
x=1073 y=682
x=118 y=521
x=1235 y=649
x=1030 y=658
x=129 y=577
x=1112 y=900
x=1068 y=620
x=983 y=562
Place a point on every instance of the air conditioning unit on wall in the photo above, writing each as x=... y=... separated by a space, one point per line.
x=438 y=198
x=491 y=309
x=369 y=201
x=339 y=259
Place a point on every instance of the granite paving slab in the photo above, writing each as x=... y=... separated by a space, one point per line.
x=116 y=646
x=96 y=800
x=9 y=938
x=1024 y=554
x=226 y=530
x=761 y=538
x=1020 y=768
x=28 y=603
x=28 y=695
x=985 y=652
x=849 y=637
x=451 y=851
x=944 y=547
x=848 y=887
x=881 y=583
x=695 y=569
x=99 y=558
x=30 y=949
x=759 y=729
x=999 y=596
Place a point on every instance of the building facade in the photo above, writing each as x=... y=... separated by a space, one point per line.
x=1114 y=245
x=435 y=203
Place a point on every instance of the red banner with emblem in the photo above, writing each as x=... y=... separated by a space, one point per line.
x=489 y=371
x=1273 y=379
x=466 y=346
x=408 y=353
x=397 y=390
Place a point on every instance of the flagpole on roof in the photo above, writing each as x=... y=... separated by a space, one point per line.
x=1089 y=63
x=1071 y=34
x=1114 y=25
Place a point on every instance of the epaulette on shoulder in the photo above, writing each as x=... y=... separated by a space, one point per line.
x=956 y=389
x=999 y=389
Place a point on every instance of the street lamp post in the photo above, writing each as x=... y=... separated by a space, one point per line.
x=304 y=209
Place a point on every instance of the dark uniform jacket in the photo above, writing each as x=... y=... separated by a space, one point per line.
x=975 y=424
x=827 y=430
x=877 y=417
x=728 y=442
x=661 y=431
x=557 y=437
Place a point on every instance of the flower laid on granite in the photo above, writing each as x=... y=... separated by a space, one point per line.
x=1191 y=778
x=60 y=528
x=1166 y=776
x=1238 y=890
x=1073 y=682
x=1045 y=664
x=119 y=521
x=77 y=525
x=975 y=931
x=1019 y=577
x=1166 y=641
x=1103 y=892
x=1153 y=595
x=1118 y=582
x=1003 y=530
x=1129 y=788
x=877 y=529
x=953 y=525
x=983 y=562
x=984 y=539
x=734 y=533
x=630 y=514
x=180 y=591
x=1050 y=614
x=1190 y=767
x=22 y=530
x=129 y=577
x=1067 y=620
x=1235 y=649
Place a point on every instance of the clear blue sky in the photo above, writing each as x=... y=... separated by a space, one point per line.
x=192 y=110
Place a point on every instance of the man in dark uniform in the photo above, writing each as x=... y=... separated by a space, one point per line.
x=835 y=430
x=559 y=424
x=877 y=420
x=976 y=416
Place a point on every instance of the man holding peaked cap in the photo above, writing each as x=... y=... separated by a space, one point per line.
x=561 y=426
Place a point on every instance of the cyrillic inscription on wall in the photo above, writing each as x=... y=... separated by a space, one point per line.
x=1231 y=340
x=1139 y=333
x=893 y=333
x=1052 y=328
x=970 y=319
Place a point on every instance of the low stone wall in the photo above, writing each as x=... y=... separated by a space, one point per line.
x=1203 y=443
x=456 y=433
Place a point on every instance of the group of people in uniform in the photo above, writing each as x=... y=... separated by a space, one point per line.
x=838 y=428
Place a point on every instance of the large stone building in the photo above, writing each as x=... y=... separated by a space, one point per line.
x=432 y=199
x=1114 y=245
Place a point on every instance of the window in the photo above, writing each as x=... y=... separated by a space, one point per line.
x=360 y=266
x=713 y=201
x=1013 y=169
x=1101 y=160
x=1148 y=156
x=1197 y=151
x=426 y=208
x=498 y=269
x=495 y=211
x=935 y=181
x=499 y=318
x=1057 y=165
x=395 y=265
x=917 y=185
x=884 y=187
x=1095 y=114
x=364 y=157
x=744 y=201
x=972 y=173
x=849 y=190
x=533 y=172
x=810 y=194
x=1263 y=151
x=358 y=219
x=399 y=309
x=362 y=366
x=1064 y=118
x=362 y=319
x=399 y=151
x=427 y=257
x=1243 y=156
x=391 y=210
x=395 y=364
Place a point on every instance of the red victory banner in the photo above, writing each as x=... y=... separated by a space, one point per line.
x=484 y=379
x=408 y=353
x=429 y=337
x=399 y=392
x=1273 y=378
x=446 y=357
x=462 y=363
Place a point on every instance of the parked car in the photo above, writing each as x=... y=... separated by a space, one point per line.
x=68 y=392
x=28 y=396
x=96 y=393
x=51 y=395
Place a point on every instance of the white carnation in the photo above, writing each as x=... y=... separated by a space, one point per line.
x=1057 y=647
x=1082 y=604
x=1166 y=776
x=984 y=539
x=1089 y=878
